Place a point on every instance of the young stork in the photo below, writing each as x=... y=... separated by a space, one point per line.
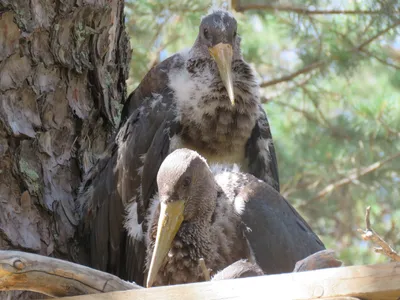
x=221 y=217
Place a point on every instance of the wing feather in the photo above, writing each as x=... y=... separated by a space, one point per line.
x=278 y=236
x=117 y=183
x=260 y=152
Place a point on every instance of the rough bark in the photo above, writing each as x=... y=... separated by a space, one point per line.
x=63 y=66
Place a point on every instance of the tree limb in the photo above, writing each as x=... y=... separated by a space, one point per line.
x=54 y=277
x=303 y=11
x=381 y=60
x=374 y=37
x=321 y=63
x=370 y=235
x=289 y=77
x=355 y=175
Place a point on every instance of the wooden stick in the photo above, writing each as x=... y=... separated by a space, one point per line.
x=370 y=235
x=203 y=267
x=372 y=282
x=319 y=260
x=54 y=277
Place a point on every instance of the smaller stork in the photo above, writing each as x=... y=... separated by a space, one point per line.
x=221 y=216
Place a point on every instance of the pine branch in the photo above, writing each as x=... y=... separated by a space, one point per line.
x=292 y=76
x=157 y=52
x=319 y=64
x=377 y=35
x=370 y=235
x=353 y=176
x=303 y=11
x=381 y=60
x=308 y=115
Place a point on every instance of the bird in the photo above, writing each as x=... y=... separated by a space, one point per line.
x=220 y=215
x=205 y=99
x=215 y=99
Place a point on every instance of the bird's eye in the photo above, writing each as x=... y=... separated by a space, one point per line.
x=234 y=34
x=186 y=182
x=205 y=32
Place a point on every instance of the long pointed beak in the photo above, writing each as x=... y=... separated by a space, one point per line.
x=171 y=218
x=222 y=54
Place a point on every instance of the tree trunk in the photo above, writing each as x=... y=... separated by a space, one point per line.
x=63 y=66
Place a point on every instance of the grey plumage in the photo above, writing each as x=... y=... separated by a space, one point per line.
x=221 y=216
x=185 y=101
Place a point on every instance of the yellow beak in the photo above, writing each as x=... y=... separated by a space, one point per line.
x=171 y=218
x=222 y=54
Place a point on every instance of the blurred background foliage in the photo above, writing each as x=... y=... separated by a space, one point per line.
x=330 y=78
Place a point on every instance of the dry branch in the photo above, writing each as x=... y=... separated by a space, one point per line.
x=318 y=64
x=289 y=77
x=300 y=10
x=319 y=260
x=54 y=277
x=353 y=176
x=370 y=235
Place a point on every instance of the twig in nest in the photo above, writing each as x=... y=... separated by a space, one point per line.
x=370 y=235
x=203 y=267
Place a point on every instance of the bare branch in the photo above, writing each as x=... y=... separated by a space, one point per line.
x=321 y=63
x=304 y=11
x=370 y=235
x=54 y=277
x=157 y=52
x=309 y=116
x=355 y=175
x=377 y=35
x=304 y=70
x=381 y=60
x=270 y=96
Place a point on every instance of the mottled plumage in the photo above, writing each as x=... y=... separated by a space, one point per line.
x=185 y=101
x=216 y=221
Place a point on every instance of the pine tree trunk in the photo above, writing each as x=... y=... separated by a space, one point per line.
x=63 y=66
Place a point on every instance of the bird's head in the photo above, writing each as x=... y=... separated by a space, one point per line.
x=187 y=191
x=218 y=39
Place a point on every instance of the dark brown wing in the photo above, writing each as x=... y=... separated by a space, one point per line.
x=120 y=181
x=260 y=152
x=155 y=81
x=278 y=235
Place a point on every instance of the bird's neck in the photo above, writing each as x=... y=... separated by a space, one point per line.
x=210 y=124
x=195 y=235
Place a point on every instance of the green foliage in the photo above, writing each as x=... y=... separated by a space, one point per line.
x=338 y=120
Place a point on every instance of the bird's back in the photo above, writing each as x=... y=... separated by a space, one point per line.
x=278 y=235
